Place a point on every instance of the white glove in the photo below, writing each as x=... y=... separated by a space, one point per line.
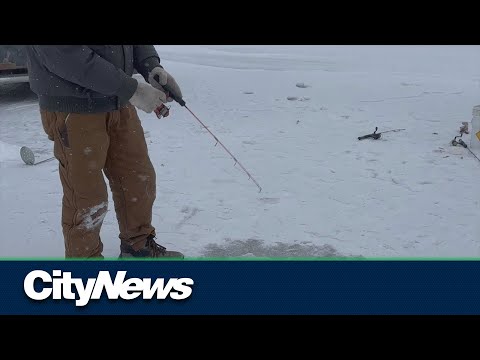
x=147 y=98
x=164 y=78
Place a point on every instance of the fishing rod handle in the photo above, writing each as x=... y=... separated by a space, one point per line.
x=171 y=93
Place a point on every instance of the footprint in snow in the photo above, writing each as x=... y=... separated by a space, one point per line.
x=295 y=98
x=425 y=183
x=267 y=200
x=302 y=85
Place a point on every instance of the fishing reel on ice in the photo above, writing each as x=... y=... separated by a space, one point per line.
x=377 y=135
x=457 y=141
x=374 y=135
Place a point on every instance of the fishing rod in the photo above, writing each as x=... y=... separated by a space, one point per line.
x=376 y=135
x=160 y=111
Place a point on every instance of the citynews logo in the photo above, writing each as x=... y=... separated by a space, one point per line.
x=60 y=285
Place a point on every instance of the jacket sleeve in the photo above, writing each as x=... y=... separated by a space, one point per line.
x=81 y=65
x=145 y=59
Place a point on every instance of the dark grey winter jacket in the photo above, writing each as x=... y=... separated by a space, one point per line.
x=87 y=78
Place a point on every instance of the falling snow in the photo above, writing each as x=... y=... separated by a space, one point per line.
x=291 y=115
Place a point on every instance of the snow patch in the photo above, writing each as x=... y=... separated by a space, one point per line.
x=9 y=152
x=93 y=217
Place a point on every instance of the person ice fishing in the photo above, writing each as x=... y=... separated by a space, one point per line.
x=88 y=98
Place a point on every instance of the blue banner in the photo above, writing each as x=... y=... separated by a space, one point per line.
x=200 y=287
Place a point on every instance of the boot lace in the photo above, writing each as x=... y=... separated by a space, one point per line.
x=156 y=249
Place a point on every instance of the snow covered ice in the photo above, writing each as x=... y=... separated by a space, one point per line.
x=291 y=115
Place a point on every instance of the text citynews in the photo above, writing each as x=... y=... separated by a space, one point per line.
x=59 y=286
